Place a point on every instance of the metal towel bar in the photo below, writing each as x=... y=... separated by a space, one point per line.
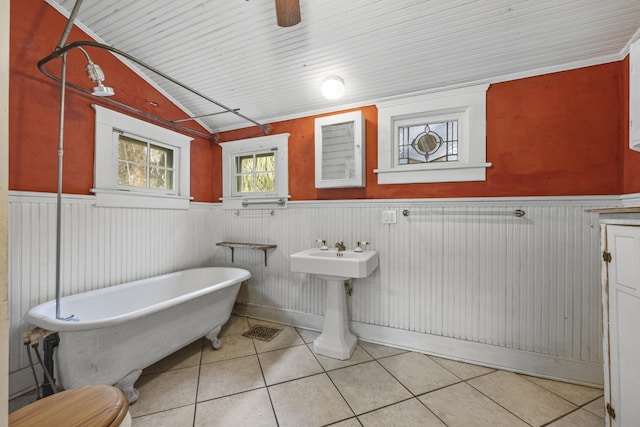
x=518 y=212
x=279 y=202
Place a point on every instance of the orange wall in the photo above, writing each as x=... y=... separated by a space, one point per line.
x=34 y=109
x=556 y=134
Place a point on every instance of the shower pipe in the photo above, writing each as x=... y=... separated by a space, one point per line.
x=63 y=87
x=69 y=25
x=63 y=50
x=202 y=115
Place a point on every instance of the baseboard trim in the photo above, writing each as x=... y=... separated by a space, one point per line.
x=22 y=382
x=524 y=362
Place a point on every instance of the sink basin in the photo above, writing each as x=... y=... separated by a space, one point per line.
x=346 y=264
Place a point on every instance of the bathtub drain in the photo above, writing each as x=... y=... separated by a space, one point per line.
x=264 y=333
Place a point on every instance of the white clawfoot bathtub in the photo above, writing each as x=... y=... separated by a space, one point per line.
x=123 y=329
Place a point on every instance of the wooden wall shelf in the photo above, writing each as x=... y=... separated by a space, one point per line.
x=261 y=246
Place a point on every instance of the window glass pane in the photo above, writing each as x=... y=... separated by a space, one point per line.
x=161 y=156
x=244 y=183
x=255 y=173
x=160 y=178
x=131 y=149
x=265 y=181
x=245 y=164
x=132 y=174
x=426 y=143
x=265 y=162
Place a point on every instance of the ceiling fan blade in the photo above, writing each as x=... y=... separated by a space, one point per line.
x=288 y=12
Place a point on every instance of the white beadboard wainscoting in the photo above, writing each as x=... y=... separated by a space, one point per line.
x=100 y=247
x=460 y=278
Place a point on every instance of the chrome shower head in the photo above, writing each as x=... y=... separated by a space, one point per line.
x=102 y=90
x=97 y=75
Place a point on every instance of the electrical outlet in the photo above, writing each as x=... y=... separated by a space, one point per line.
x=389 y=217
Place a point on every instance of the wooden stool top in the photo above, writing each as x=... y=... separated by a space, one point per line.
x=94 y=405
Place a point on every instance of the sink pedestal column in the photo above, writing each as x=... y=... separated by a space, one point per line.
x=336 y=340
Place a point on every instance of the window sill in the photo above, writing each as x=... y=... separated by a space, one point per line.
x=106 y=198
x=434 y=173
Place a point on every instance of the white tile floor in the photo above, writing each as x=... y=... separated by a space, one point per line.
x=249 y=382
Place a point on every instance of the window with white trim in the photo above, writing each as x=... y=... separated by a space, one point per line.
x=255 y=172
x=139 y=164
x=433 y=137
x=144 y=164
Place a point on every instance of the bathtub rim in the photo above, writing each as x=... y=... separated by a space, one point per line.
x=43 y=315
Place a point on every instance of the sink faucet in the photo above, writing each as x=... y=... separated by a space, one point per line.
x=340 y=246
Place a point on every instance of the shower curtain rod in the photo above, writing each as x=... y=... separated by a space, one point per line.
x=60 y=51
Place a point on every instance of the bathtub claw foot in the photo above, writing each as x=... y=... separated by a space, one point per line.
x=213 y=336
x=126 y=385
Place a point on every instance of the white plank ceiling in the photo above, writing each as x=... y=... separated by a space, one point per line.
x=233 y=51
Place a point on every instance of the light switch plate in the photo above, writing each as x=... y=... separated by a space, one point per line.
x=389 y=217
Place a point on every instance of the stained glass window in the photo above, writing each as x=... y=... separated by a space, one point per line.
x=428 y=143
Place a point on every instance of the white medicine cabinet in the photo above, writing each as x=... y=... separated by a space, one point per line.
x=340 y=150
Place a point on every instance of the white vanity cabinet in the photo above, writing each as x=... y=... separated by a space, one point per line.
x=620 y=242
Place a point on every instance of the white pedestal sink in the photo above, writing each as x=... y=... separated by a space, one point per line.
x=335 y=267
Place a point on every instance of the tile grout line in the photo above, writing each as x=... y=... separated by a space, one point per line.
x=577 y=406
x=560 y=417
x=494 y=401
x=160 y=411
x=266 y=387
x=264 y=379
x=195 y=404
x=158 y=373
x=465 y=381
x=324 y=370
x=556 y=394
x=590 y=402
x=374 y=359
x=414 y=396
x=575 y=410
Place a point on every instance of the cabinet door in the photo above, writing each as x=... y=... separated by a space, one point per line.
x=340 y=151
x=623 y=243
x=634 y=96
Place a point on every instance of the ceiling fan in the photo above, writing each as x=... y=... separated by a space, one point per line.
x=288 y=12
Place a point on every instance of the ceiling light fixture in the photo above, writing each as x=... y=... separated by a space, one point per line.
x=333 y=87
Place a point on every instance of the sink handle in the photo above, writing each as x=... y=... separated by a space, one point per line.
x=359 y=248
x=324 y=244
